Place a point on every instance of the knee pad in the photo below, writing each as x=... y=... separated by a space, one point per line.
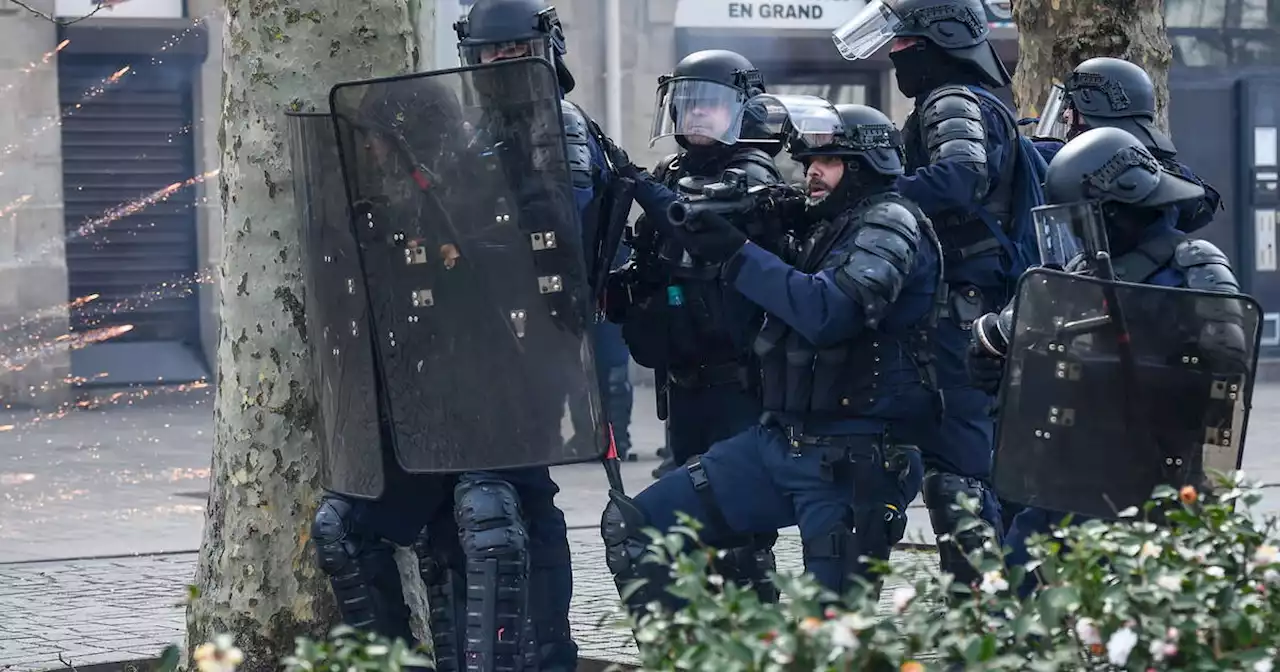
x=362 y=571
x=499 y=632
x=628 y=558
x=446 y=597
x=752 y=567
x=940 y=492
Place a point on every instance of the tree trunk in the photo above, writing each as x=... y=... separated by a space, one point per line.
x=257 y=576
x=1054 y=36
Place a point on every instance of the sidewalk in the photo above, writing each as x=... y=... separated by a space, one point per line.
x=114 y=610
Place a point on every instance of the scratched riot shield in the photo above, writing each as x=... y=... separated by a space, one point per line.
x=462 y=203
x=1112 y=389
x=337 y=313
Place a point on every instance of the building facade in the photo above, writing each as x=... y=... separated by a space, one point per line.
x=105 y=116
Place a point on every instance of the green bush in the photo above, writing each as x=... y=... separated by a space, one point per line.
x=1198 y=591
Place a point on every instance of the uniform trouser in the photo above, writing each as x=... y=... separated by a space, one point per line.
x=957 y=457
x=757 y=482
x=492 y=545
x=1031 y=521
x=619 y=397
x=698 y=418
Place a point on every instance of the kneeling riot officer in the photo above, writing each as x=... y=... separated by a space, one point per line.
x=843 y=349
x=679 y=316
x=966 y=170
x=1111 y=92
x=1108 y=191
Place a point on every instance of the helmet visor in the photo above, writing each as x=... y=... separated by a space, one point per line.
x=1065 y=232
x=870 y=29
x=475 y=53
x=1055 y=119
x=807 y=122
x=700 y=110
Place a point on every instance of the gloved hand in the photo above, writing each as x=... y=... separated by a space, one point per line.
x=711 y=238
x=619 y=158
x=985 y=369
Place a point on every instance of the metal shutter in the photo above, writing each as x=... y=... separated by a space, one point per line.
x=121 y=143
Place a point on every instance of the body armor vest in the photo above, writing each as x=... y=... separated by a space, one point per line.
x=858 y=378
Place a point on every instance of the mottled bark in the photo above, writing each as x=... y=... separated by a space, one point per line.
x=257 y=574
x=1054 y=36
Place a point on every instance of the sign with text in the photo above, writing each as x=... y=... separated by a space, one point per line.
x=118 y=9
x=809 y=15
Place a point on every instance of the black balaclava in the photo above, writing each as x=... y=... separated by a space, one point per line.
x=925 y=66
x=1128 y=224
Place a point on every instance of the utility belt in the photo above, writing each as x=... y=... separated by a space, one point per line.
x=892 y=456
x=709 y=375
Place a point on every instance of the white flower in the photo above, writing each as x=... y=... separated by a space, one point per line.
x=993 y=582
x=779 y=656
x=1148 y=550
x=1266 y=555
x=1271 y=576
x=715 y=580
x=1169 y=582
x=1161 y=650
x=843 y=637
x=1087 y=632
x=1264 y=665
x=902 y=597
x=1121 y=645
x=1216 y=572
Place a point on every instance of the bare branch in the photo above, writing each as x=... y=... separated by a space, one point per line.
x=51 y=18
x=64 y=661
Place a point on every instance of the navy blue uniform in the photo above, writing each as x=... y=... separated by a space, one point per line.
x=961 y=156
x=689 y=324
x=845 y=395
x=1165 y=257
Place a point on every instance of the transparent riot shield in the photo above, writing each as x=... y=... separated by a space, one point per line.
x=1114 y=388
x=462 y=203
x=337 y=313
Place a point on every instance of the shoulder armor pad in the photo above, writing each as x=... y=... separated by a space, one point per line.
x=758 y=165
x=1207 y=267
x=576 y=136
x=953 y=126
x=877 y=263
x=896 y=218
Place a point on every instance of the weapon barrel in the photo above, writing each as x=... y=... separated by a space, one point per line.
x=679 y=213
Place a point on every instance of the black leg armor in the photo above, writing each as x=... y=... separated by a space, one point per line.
x=362 y=572
x=626 y=550
x=499 y=633
x=832 y=558
x=940 y=492
x=752 y=566
x=446 y=597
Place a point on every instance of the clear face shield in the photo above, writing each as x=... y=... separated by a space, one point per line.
x=870 y=29
x=1055 y=115
x=488 y=52
x=807 y=122
x=1070 y=233
x=703 y=112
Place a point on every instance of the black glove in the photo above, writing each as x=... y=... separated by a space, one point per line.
x=618 y=157
x=711 y=238
x=985 y=369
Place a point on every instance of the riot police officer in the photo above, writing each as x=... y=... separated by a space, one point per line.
x=678 y=316
x=1111 y=92
x=844 y=356
x=962 y=169
x=1106 y=180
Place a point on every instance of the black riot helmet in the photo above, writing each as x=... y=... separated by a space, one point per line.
x=951 y=33
x=705 y=101
x=857 y=132
x=502 y=29
x=1105 y=92
x=1104 y=185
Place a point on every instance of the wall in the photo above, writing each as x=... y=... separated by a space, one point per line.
x=33 y=268
x=207 y=103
